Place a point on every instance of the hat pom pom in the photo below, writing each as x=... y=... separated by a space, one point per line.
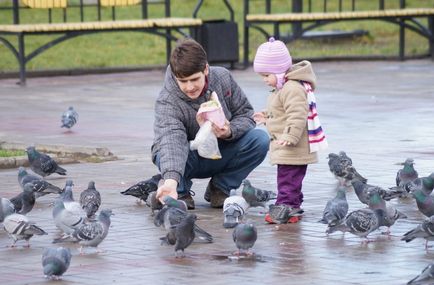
x=271 y=39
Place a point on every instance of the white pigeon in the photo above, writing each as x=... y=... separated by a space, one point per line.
x=19 y=227
x=67 y=213
x=234 y=209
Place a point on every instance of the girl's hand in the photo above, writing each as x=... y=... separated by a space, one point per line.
x=259 y=118
x=282 y=143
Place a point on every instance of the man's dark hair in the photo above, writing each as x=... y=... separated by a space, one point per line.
x=187 y=58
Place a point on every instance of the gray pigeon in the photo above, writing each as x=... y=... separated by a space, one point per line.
x=424 y=201
x=144 y=188
x=336 y=209
x=171 y=215
x=40 y=186
x=341 y=166
x=69 y=118
x=256 y=197
x=424 y=230
x=426 y=184
x=91 y=234
x=67 y=213
x=6 y=208
x=360 y=223
x=42 y=163
x=19 y=227
x=24 y=202
x=234 y=209
x=362 y=189
x=427 y=274
x=154 y=203
x=407 y=173
x=90 y=200
x=391 y=214
x=182 y=234
x=55 y=262
x=244 y=236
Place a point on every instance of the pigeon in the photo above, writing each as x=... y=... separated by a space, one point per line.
x=391 y=214
x=256 y=197
x=426 y=275
x=90 y=200
x=244 y=236
x=424 y=230
x=426 y=184
x=55 y=262
x=360 y=223
x=407 y=173
x=171 y=215
x=90 y=234
x=67 y=213
x=341 y=166
x=336 y=209
x=19 y=227
x=6 y=208
x=182 y=234
x=424 y=201
x=142 y=189
x=40 y=186
x=69 y=118
x=234 y=208
x=42 y=163
x=362 y=189
x=24 y=202
x=154 y=203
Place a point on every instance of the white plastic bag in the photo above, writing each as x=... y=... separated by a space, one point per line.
x=206 y=142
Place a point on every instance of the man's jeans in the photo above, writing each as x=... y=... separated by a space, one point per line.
x=239 y=158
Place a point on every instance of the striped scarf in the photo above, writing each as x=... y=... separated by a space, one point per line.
x=317 y=139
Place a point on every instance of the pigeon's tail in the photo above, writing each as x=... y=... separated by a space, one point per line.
x=65 y=238
x=35 y=230
x=265 y=196
x=60 y=170
x=202 y=234
x=391 y=194
x=419 y=279
x=323 y=221
x=410 y=235
x=339 y=227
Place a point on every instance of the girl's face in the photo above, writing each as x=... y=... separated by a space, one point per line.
x=269 y=78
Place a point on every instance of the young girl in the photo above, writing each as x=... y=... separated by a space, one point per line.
x=292 y=123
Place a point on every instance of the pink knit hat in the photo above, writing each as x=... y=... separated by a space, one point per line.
x=272 y=57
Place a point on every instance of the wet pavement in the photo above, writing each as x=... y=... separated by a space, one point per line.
x=380 y=113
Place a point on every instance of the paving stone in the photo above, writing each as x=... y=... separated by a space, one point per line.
x=378 y=112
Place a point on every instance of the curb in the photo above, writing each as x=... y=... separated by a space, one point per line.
x=62 y=154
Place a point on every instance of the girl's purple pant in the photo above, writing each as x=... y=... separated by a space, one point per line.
x=289 y=182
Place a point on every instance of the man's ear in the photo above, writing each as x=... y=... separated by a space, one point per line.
x=206 y=71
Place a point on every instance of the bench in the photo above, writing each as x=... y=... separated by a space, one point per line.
x=402 y=15
x=13 y=35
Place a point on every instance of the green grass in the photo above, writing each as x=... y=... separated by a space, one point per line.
x=136 y=49
x=9 y=153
